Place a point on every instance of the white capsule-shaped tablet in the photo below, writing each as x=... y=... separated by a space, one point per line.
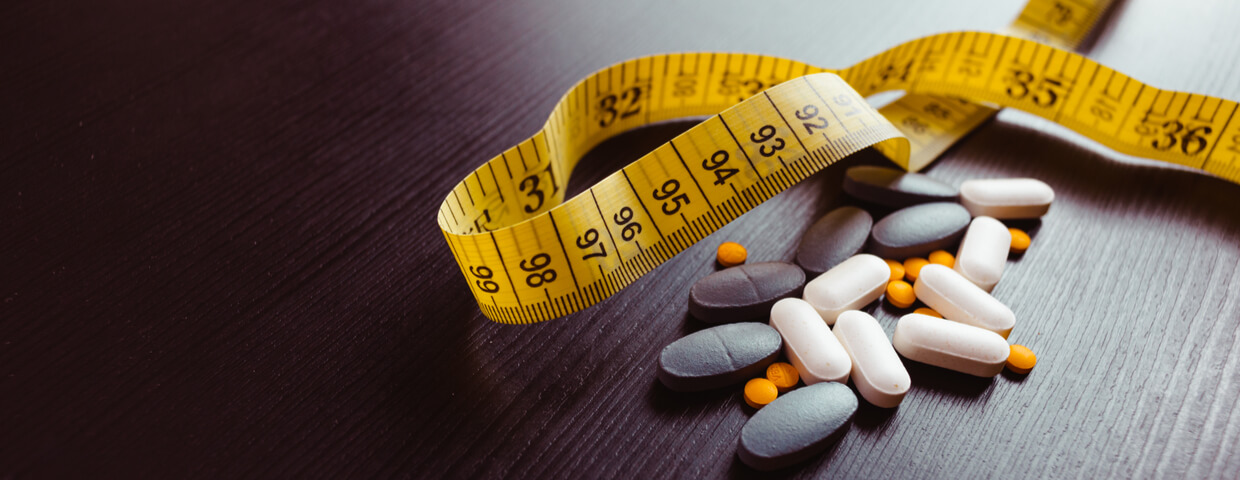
x=951 y=345
x=958 y=299
x=983 y=252
x=809 y=343
x=877 y=371
x=1006 y=198
x=848 y=286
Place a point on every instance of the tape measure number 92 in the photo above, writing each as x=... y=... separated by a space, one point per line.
x=529 y=257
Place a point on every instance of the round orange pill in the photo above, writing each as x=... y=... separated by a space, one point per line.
x=759 y=392
x=928 y=311
x=913 y=266
x=897 y=269
x=900 y=294
x=731 y=254
x=943 y=258
x=1021 y=359
x=1020 y=240
x=783 y=375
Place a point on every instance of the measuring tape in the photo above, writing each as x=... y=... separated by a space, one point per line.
x=528 y=256
x=1059 y=23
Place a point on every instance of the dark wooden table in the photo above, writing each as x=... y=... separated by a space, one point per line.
x=219 y=258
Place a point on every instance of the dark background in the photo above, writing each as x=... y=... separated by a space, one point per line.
x=219 y=256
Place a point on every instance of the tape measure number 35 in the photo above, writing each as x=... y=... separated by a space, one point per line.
x=529 y=256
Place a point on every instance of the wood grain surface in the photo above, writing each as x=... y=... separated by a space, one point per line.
x=219 y=259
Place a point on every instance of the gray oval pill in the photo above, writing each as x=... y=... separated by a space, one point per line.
x=918 y=230
x=835 y=237
x=895 y=188
x=744 y=292
x=796 y=426
x=718 y=356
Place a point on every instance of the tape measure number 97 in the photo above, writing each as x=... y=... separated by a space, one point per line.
x=528 y=257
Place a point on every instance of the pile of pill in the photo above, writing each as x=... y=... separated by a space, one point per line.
x=820 y=328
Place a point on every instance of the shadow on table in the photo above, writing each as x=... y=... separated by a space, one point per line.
x=738 y=470
x=956 y=386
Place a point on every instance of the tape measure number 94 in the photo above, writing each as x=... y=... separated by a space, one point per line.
x=528 y=257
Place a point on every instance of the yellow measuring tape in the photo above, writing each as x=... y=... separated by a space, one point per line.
x=1059 y=23
x=528 y=257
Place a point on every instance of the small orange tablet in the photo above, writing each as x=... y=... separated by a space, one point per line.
x=912 y=267
x=759 y=392
x=900 y=294
x=783 y=375
x=731 y=254
x=1020 y=240
x=897 y=269
x=1021 y=359
x=943 y=258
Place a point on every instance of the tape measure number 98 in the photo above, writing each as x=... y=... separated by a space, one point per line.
x=528 y=257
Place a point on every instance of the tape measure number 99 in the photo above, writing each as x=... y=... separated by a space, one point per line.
x=529 y=258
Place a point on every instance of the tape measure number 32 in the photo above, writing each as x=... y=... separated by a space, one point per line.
x=529 y=256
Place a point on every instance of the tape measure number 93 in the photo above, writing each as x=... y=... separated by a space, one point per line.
x=529 y=257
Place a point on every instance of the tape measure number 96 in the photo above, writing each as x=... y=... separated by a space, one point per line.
x=528 y=257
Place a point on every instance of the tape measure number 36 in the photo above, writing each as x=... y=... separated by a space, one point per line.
x=529 y=256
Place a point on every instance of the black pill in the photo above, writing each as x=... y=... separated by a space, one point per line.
x=744 y=292
x=918 y=230
x=719 y=356
x=835 y=237
x=796 y=426
x=894 y=188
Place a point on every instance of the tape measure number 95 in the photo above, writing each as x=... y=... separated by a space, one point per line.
x=528 y=257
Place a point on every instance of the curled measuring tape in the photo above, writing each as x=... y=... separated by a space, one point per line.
x=528 y=257
x=1059 y=23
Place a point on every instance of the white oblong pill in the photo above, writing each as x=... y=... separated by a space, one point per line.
x=809 y=343
x=877 y=371
x=983 y=252
x=1007 y=197
x=958 y=299
x=848 y=286
x=951 y=345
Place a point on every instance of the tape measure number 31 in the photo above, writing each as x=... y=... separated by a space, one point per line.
x=529 y=256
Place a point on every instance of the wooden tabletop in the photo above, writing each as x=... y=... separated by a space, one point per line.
x=219 y=255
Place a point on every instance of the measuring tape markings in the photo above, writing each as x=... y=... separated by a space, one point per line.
x=1174 y=126
x=935 y=123
x=767 y=180
x=530 y=271
x=1060 y=23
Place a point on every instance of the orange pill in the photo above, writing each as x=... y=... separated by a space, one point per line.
x=941 y=257
x=900 y=294
x=783 y=375
x=759 y=392
x=928 y=311
x=1021 y=359
x=912 y=267
x=1020 y=240
x=897 y=269
x=731 y=254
